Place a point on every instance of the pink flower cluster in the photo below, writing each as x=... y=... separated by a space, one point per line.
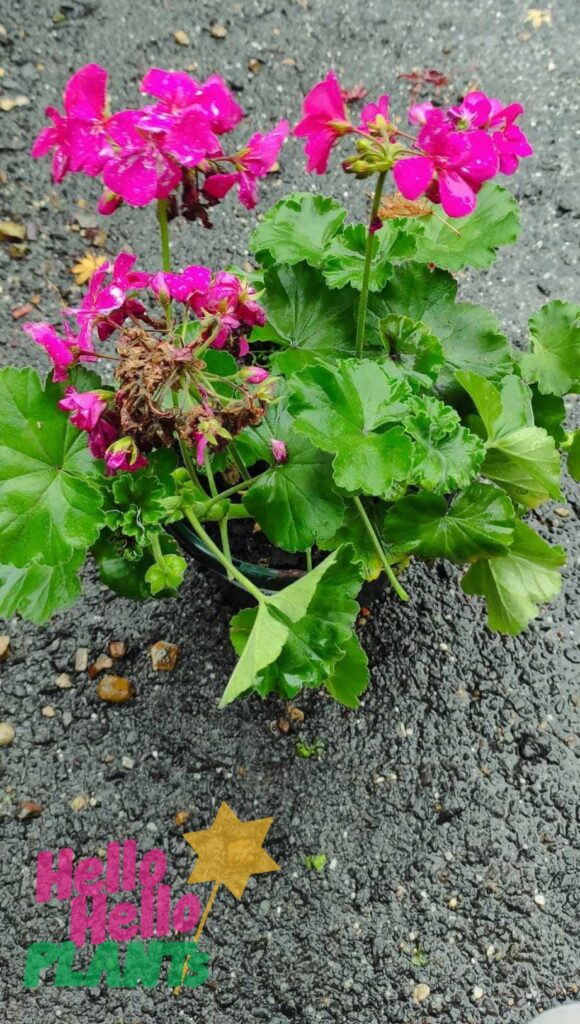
x=461 y=147
x=456 y=150
x=224 y=308
x=143 y=154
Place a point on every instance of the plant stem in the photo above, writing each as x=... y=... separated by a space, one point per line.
x=223 y=523
x=380 y=550
x=157 y=552
x=164 y=231
x=239 y=463
x=222 y=559
x=308 y=559
x=235 y=489
x=364 y=295
x=186 y=456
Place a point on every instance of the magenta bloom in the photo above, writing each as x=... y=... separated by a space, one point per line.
x=102 y=436
x=79 y=139
x=325 y=121
x=193 y=282
x=453 y=169
x=63 y=351
x=140 y=170
x=230 y=304
x=254 y=161
x=510 y=145
x=279 y=450
x=371 y=111
x=86 y=407
x=177 y=91
x=123 y=456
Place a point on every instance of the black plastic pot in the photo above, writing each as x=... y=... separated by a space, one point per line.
x=268 y=580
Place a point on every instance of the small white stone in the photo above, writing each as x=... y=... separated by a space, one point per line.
x=477 y=993
x=540 y=899
x=6 y=734
x=421 y=992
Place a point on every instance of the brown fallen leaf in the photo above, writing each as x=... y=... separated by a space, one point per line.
x=255 y=65
x=163 y=656
x=115 y=689
x=101 y=663
x=8 y=103
x=117 y=648
x=28 y=809
x=4 y=646
x=86 y=266
x=218 y=31
x=181 y=817
x=21 y=311
x=181 y=37
x=536 y=17
x=11 y=231
x=397 y=206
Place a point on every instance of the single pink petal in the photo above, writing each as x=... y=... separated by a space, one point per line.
x=190 y=139
x=457 y=196
x=248 y=190
x=480 y=162
x=85 y=95
x=175 y=87
x=412 y=175
x=219 y=104
x=218 y=185
x=134 y=177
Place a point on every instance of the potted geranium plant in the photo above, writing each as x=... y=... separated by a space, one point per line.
x=340 y=398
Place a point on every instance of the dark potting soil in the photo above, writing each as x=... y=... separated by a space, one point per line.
x=447 y=806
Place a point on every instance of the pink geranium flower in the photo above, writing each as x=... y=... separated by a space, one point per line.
x=79 y=139
x=372 y=111
x=325 y=121
x=253 y=162
x=279 y=450
x=194 y=281
x=86 y=407
x=62 y=351
x=177 y=91
x=453 y=168
x=123 y=456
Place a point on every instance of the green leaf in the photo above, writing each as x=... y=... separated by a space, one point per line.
x=446 y=455
x=167 y=574
x=517 y=582
x=350 y=676
x=345 y=410
x=554 y=359
x=412 y=344
x=520 y=456
x=479 y=521
x=296 y=501
x=549 y=412
x=293 y=638
x=297 y=229
x=469 y=335
x=50 y=497
x=122 y=568
x=136 y=505
x=37 y=591
x=574 y=456
x=354 y=532
x=344 y=258
x=304 y=315
x=494 y=222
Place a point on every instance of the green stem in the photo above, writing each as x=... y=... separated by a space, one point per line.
x=235 y=489
x=308 y=559
x=239 y=463
x=189 y=464
x=364 y=295
x=157 y=552
x=164 y=231
x=380 y=551
x=222 y=559
x=223 y=523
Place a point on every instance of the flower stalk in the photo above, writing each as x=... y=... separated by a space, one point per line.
x=364 y=295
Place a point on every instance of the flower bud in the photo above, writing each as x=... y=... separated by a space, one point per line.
x=254 y=374
x=279 y=450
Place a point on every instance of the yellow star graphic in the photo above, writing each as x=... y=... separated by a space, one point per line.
x=230 y=851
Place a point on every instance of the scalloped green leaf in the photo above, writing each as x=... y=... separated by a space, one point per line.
x=305 y=317
x=126 y=575
x=349 y=410
x=574 y=456
x=412 y=344
x=456 y=242
x=479 y=521
x=297 y=229
x=469 y=335
x=295 y=502
x=553 y=361
x=350 y=676
x=344 y=258
x=37 y=591
x=521 y=457
x=550 y=413
x=514 y=584
x=446 y=455
x=295 y=638
x=50 y=493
